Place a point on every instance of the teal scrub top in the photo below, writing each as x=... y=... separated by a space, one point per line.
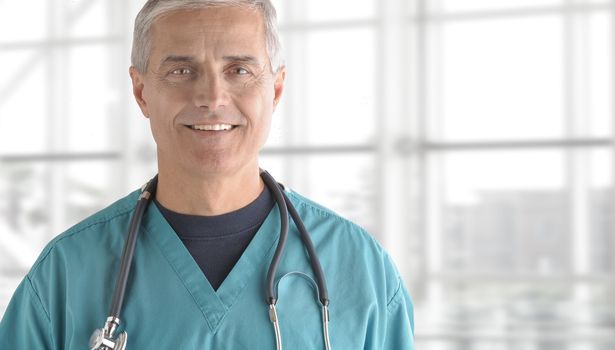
x=169 y=304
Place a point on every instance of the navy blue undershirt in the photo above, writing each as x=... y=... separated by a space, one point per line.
x=217 y=242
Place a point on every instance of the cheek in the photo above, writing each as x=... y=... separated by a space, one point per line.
x=162 y=105
x=160 y=92
x=257 y=108
x=257 y=99
x=164 y=102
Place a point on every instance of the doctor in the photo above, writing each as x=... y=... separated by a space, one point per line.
x=208 y=75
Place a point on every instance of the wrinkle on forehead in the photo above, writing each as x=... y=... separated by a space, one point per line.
x=233 y=29
x=207 y=21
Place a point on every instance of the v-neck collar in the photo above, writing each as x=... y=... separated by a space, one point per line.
x=254 y=260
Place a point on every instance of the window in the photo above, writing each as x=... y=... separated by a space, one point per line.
x=63 y=105
x=518 y=160
x=473 y=138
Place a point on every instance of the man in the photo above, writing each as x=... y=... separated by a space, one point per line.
x=208 y=76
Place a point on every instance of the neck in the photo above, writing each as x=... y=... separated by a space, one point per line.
x=208 y=195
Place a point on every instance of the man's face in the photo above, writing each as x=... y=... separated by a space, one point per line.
x=209 y=91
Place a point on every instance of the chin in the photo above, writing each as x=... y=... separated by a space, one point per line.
x=219 y=164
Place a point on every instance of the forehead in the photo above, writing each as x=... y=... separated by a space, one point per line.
x=231 y=28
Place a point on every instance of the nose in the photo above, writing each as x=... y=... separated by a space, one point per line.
x=210 y=92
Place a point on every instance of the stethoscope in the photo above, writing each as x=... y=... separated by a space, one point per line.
x=105 y=339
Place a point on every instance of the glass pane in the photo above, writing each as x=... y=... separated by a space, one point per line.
x=91 y=101
x=601 y=308
x=279 y=132
x=27 y=204
x=601 y=211
x=599 y=48
x=502 y=79
x=24 y=103
x=281 y=7
x=24 y=214
x=326 y=10
x=534 y=315
x=510 y=345
x=478 y=5
x=323 y=10
x=350 y=190
x=276 y=165
x=88 y=18
x=503 y=212
x=90 y=187
x=340 y=82
x=24 y=222
x=506 y=215
x=23 y=20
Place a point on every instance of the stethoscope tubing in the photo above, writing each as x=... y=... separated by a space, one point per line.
x=129 y=248
x=271 y=293
x=285 y=208
x=323 y=294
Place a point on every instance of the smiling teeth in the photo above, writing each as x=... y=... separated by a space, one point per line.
x=213 y=127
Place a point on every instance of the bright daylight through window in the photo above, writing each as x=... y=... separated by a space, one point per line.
x=472 y=138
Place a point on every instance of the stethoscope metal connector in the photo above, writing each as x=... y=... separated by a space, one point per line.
x=104 y=339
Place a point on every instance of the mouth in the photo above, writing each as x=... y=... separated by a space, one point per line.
x=212 y=127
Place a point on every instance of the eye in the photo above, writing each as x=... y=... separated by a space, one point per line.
x=181 y=71
x=240 y=71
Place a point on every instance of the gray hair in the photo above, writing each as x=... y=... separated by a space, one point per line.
x=142 y=41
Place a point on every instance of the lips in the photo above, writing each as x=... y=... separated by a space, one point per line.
x=211 y=127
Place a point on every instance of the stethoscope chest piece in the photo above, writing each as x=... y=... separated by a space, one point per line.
x=100 y=340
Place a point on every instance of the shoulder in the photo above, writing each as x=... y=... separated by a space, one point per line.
x=320 y=213
x=333 y=226
x=345 y=244
x=90 y=233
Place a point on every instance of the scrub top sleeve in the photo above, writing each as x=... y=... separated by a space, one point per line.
x=25 y=324
x=400 y=322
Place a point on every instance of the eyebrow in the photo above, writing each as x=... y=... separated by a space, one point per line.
x=174 y=58
x=242 y=58
x=235 y=58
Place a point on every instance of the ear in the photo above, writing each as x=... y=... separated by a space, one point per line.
x=278 y=85
x=137 y=89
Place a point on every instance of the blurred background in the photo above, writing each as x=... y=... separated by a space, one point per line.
x=473 y=138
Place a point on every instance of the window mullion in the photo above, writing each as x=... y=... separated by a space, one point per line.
x=296 y=95
x=118 y=112
x=57 y=88
x=431 y=116
x=612 y=108
x=576 y=115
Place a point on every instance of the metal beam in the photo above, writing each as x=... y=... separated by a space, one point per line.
x=403 y=146
x=328 y=25
x=508 y=13
x=59 y=157
x=564 y=335
x=515 y=144
x=534 y=278
x=48 y=44
x=310 y=150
